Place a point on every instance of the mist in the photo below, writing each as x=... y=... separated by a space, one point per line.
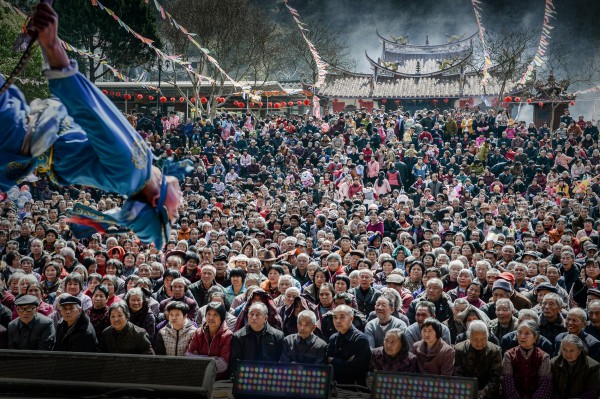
x=357 y=21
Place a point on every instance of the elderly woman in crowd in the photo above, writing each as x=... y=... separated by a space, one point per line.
x=434 y=356
x=213 y=339
x=526 y=368
x=139 y=310
x=122 y=336
x=394 y=355
x=478 y=358
x=574 y=374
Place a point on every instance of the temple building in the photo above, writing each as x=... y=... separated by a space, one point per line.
x=412 y=76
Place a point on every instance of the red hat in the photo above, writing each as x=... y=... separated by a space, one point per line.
x=508 y=277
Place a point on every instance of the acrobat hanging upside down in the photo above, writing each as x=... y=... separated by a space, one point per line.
x=80 y=137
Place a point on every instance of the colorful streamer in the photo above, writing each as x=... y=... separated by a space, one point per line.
x=487 y=62
x=165 y=57
x=165 y=15
x=321 y=65
x=540 y=55
x=102 y=61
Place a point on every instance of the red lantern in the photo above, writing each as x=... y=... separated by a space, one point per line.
x=518 y=99
x=529 y=101
x=151 y=98
x=163 y=99
x=172 y=99
x=541 y=104
x=283 y=104
x=118 y=94
x=507 y=99
x=105 y=92
x=397 y=101
x=193 y=100
x=446 y=100
x=240 y=105
x=235 y=103
x=181 y=99
x=277 y=105
x=203 y=100
x=299 y=103
x=307 y=102
x=435 y=101
x=140 y=97
x=572 y=103
x=290 y=103
x=127 y=97
x=222 y=99
x=383 y=100
x=260 y=104
x=269 y=104
x=252 y=104
x=112 y=93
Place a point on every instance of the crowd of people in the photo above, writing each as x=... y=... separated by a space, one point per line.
x=445 y=242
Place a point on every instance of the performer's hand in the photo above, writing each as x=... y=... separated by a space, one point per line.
x=45 y=21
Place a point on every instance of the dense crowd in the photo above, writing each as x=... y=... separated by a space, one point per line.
x=454 y=242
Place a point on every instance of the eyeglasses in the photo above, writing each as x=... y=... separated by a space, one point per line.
x=26 y=309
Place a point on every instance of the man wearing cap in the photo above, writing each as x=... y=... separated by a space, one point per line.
x=222 y=274
x=30 y=330
x=75 y=333
x=593 y=308
x=503 y=288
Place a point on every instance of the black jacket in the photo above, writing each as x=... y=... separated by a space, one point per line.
x=131 y=339
x=249 y=345
x=365 y=302
x=81 y=337
x=350 y=355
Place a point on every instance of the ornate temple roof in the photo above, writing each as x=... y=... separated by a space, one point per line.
x=407 y=71
x=403 y=59
x=364 y=86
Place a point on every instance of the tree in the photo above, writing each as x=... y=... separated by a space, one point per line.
x=510 y=51
x=332 y=48
x=87 y=27
x=32 y=82
x=240 y=36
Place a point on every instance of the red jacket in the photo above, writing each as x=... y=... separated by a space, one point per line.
x=219 y=348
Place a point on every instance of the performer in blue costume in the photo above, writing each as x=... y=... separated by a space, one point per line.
x=80 y=137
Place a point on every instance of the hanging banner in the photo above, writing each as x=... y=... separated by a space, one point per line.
x=321 y=65
x=487 y=62
x=165 y=57
x=540 y=55
x=165 y=15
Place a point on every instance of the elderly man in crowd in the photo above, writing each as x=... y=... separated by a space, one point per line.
x=305 y=346
x=348 y=351
x=479 y=358
x=30 y=330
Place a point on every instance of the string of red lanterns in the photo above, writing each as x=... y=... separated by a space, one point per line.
x=203 y=100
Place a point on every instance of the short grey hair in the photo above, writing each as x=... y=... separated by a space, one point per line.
x=460 y=301
x=578 y=312
x=436 y=281
x=285 y=277
x=554 y=297
x=293 y=289
x=307 y=314
x=345 y=309
x=530 y=325
x=528 y=314
x=477 y=326
x=575 y=340
x=507 y=302
x=263 y=308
